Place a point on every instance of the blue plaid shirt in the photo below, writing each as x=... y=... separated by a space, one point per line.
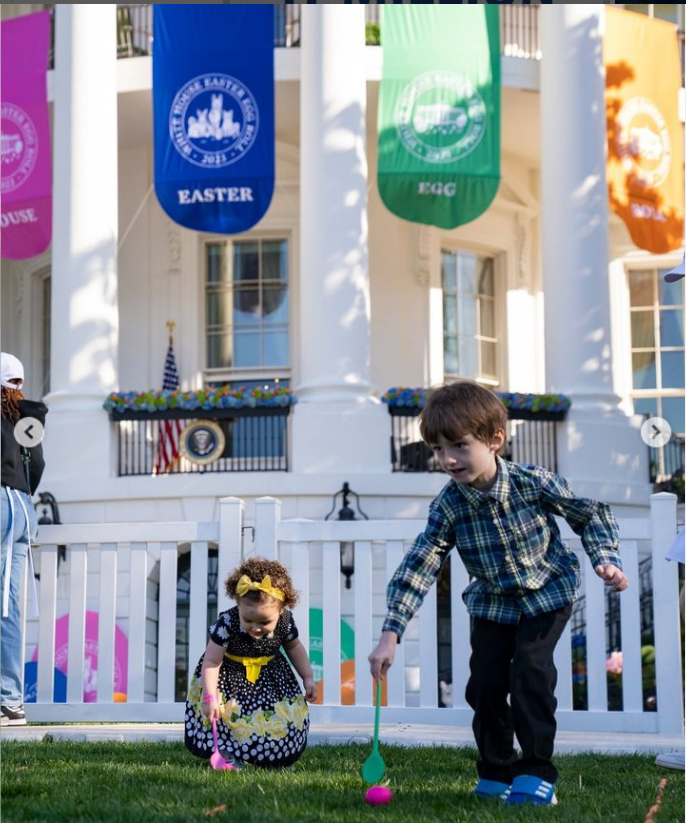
x=509 y=543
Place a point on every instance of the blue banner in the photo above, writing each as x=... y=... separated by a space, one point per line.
x=213 y=101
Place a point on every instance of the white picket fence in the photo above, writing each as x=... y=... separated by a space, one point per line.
x=311 y=550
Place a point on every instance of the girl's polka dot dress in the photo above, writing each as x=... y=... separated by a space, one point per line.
x=264 y=723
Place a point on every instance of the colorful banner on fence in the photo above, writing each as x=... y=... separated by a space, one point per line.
x=26 y=218
x=645 y=164
x=213 y=99
x=439 y=112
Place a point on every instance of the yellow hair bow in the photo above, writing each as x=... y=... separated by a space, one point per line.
x=245 y=585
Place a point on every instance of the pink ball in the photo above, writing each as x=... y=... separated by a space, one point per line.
x=378 y=795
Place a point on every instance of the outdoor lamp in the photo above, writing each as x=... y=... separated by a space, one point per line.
x=347 y=546
x=45 y=500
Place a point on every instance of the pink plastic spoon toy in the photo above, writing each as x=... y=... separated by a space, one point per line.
x=216 y=760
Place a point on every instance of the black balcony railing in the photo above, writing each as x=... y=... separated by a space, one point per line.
x=256 y=440
x=667 y=466
x=531 y=438
x=519 y=30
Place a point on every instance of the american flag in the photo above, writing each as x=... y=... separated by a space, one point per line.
x=167 y=454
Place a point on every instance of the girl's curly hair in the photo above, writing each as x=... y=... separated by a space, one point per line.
x=10 y=407
x=256 y=568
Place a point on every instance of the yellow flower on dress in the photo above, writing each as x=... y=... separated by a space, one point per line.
x=227 y=708
x=195 y=691
x=241 y=730
x=284 y=710
x=277 y=728
x=300 y=713
x=260 y=723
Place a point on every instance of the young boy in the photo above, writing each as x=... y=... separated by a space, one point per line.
x=523 y=583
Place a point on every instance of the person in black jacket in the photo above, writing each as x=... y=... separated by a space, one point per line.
x=22 y=469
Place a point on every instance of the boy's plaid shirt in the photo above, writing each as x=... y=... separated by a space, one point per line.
x=510 y=545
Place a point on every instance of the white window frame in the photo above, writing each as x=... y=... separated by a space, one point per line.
x=245 y=374
x=499 y=308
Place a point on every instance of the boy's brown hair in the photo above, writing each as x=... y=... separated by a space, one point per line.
x=256 y=568
x=462 y=408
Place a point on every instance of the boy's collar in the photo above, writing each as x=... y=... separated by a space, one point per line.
x=500 y=490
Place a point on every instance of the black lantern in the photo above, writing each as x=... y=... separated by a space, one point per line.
x=45 y=500
x=347 y=546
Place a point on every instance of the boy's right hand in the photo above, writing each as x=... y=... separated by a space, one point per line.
x=381 y=659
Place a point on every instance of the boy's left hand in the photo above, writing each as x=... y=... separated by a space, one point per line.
x=310 y=689
x=613 y=577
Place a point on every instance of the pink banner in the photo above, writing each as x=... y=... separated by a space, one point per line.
x=26 y=218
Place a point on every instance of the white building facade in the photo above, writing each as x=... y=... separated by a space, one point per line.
x=364 y=299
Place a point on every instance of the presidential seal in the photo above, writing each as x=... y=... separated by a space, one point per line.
x=202 y=442
x=18 y=146
x=642 y=142
x=213 y=120
x=440 y=117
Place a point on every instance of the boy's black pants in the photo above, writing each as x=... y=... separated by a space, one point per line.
x=515 y=660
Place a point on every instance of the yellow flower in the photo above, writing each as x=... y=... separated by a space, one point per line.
x=241 y=731
x=278 y=727
x=227 y=708
x=284 y=710
x=260 y=723
x=195 y=691
x=300 y=715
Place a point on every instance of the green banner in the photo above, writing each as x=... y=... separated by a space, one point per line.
x=439 y=112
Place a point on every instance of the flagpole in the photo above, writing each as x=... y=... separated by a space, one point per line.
x=170 y=325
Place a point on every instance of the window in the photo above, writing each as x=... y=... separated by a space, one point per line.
x=657 y=348
x=470 y=341
x=247 y=335
x=672 y=12
x=247 y=310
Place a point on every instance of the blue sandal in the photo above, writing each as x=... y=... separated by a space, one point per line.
x=529 y=789
x=491 y=790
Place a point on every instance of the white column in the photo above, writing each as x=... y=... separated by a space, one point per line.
x=85 y=318
x=334 y=352
x=599 y=446
x=575 y=206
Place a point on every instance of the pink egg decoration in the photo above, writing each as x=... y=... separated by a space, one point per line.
x=378 y=795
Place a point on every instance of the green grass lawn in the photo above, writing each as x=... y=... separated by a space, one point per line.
x=150 y=782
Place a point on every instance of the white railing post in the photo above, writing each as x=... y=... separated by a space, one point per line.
x=231 y=511
x=331 y=621
x=395 y=551
x=197 y=619
x=363 y=595
x=666 y=616
x=166 y=631
x=300 y=574
x=107 y=618
x=77 y=622
x=138 y=593
x=267 y=519
x=46 y=626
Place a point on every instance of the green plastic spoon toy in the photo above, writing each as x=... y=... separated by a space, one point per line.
x=374 y=767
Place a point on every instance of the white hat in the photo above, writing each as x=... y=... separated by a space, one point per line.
x=10 y=369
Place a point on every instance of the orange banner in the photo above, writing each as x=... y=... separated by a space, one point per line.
x=645 y=163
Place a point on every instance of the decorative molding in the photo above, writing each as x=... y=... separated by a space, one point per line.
x=424 y=255
x=173 y=248
x=523 y=223
x=514 y=197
